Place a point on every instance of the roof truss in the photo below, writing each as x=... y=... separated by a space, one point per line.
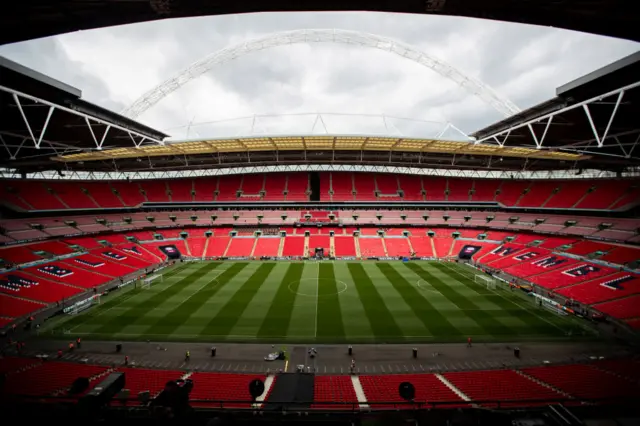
x=602 y=140
x=318 y=143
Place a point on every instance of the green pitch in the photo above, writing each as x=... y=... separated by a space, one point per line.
x=319 y=301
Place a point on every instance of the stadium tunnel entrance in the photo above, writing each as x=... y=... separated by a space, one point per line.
x=314 y=186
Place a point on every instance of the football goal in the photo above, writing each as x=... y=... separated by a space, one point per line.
x=146 y=281
x=485 y=281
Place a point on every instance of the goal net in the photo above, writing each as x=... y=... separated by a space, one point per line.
x=485 y=281
x=146 y=281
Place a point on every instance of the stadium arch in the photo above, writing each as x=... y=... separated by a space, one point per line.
x=198 y=68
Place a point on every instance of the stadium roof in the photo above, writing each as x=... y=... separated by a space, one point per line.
x=596 y=114
x=43 y=117
x=330 y=149
x=590 y=124
x=32 y=19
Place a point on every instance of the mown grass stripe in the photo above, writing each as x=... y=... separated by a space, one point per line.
x=383 y=324
x=92 y=316
x=227 y=317
x=276 y=322
x=328 y=308
x=433 y=320
x=181 y=313
x=113 y=299
x=128 y=317
x=484 y=319
x=534 y=323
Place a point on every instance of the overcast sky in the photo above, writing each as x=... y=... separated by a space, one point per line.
x=114 y=66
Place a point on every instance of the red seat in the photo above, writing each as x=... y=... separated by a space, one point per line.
x=49 y=377
x=334 y=389
x=222 y=387
x=585 y=381
x=501 y=385
x=429 y=389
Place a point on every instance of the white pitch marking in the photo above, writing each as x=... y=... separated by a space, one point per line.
x=124 y=299
x=509 y=300
x=315 y=334
x=215 y=284
x=120 y=302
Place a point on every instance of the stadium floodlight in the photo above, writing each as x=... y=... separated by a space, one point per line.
x=352 y=38
x=485 y=281
x=146 y=282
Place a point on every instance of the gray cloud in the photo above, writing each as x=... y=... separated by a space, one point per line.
x=114 y=66
x=48 y=56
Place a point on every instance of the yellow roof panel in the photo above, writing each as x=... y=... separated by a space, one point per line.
x=339 y=143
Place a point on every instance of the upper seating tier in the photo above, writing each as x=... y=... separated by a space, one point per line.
x=604 y=194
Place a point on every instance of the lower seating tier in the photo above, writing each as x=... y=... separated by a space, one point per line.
x=222 y=387
x=585 y=381
x=429 y=389
x=34 y=288
x=500 y=385
x=50 y=377
x=336 y=389
x=603 y=381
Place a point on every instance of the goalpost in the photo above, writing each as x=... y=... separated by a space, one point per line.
x=146 y=281
x=485 y=281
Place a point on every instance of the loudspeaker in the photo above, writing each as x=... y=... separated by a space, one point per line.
x=350 y=350
x=256 y=388
x=79 y=385
x=119 y=347
x=407 y=391
x=415 y=352
x=516 y=352
x=213 y=351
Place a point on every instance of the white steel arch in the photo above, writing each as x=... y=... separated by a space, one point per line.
x=356 y=38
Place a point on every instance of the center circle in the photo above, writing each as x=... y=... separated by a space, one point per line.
x=425 y=286
x=341 y=287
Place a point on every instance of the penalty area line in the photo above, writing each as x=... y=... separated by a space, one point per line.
x=509 y=299
x=124 y=297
